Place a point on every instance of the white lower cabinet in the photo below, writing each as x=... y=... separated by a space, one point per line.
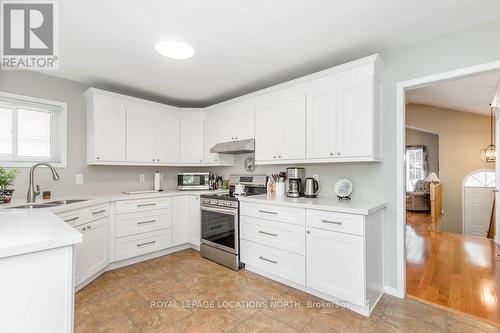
x=136 y=245
x=335 y=264
x=334 y=255
x=92 y=255
x=195 y=219
x=180 y=220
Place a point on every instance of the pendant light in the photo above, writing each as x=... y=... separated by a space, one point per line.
x=489 y=154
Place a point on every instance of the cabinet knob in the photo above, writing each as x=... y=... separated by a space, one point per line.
x=279 y=156
x=308 y=231
x=274 y=156
x=97 y=158
x=331 y=154
x=338 y=153
x=154 y=160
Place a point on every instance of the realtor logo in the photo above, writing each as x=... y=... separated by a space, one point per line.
x=30 y=36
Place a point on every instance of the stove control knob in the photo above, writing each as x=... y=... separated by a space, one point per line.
x=227 y=203
x=214 y=202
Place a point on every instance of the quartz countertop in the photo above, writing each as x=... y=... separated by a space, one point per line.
x=359 y=207
x=28 y=230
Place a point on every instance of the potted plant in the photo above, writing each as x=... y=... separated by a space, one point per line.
x=7 y=178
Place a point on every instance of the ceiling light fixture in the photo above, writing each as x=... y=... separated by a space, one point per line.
x=174 y=49
x=489 y=154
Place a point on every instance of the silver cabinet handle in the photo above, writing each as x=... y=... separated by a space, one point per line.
x=216 y=227
x=268 y=260
x=267 y=212
x=267 y=233
x=146 y=222
x=332 y=222
x=147 y=204
x=72 y=219
x=147 y=243
x=99 y=212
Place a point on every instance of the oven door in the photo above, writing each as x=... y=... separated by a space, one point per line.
x=219 y=228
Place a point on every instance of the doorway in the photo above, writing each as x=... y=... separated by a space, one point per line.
x=472 y=248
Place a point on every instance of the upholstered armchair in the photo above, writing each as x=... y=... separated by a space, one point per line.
x=419 y=199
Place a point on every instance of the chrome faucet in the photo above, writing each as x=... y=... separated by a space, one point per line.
x=32 y=193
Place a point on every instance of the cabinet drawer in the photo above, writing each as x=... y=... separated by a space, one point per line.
x=78 y=217
x=280 y=263
x=279 y=235
x=275 y=213
x=139 y=205
x=131 y=246
x=348 y=223
x=75 y=217
x=135 y=223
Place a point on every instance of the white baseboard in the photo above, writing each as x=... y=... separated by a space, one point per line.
x=394 y=292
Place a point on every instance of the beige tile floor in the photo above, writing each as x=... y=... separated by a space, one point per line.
x=182 y=292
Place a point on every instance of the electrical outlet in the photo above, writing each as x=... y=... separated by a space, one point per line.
x=79 y=179
x=141 y=178
x=316 y=177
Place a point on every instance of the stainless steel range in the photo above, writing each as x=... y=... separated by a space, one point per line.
x=220 y=220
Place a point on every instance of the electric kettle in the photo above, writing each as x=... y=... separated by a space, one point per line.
x=311 y=188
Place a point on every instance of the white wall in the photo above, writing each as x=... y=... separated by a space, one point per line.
x=371 y=181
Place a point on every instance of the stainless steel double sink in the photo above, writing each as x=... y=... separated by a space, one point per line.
x=49 y=204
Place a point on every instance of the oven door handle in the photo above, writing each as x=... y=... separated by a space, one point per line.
x=220 y=210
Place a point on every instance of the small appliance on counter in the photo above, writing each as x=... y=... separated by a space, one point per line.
x=296 y=178
x=193 y=181
x=311 y=188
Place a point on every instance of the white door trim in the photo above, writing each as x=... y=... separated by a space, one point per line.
x=401 y=89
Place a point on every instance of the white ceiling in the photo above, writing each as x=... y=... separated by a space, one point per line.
x=473 y=94
x=241 y=46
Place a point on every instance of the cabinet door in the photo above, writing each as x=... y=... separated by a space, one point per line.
x=292 y=124
x=266 y=128
x=335 y=264
x=195 y=219
x=212 y=137
x=109 y=131
x=167 y=136
x=191 y=141
x=321 y=118
x=181 y=228
x=140 y=134
x=92 y=254
x=244 y=121
x=355 y=117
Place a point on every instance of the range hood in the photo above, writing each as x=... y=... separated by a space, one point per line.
x=234 y=147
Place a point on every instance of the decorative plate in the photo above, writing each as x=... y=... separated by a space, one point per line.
x=249 y=164
x=343 y=188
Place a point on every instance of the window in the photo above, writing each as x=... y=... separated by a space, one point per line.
x=481 y=178
x=31 y=130
x=415 y=169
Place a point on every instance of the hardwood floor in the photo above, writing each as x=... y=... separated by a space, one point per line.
x=183 y=292
x=453 y=271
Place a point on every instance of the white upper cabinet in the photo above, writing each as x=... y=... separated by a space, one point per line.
x=213 y=135
x=238 y=121
x=192 y=135
x=280 y=126
x=292 y=124
x=140 y=133
x=266 y=128
x=106 y=130
x=167 y=136
x=321 y=115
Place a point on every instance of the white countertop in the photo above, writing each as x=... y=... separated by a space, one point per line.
x=28 y=230
x=359 y=207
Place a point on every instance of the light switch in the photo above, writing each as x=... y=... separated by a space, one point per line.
x=141 y=178
x=79 y=179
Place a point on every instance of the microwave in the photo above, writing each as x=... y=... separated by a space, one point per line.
x=193 y=181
